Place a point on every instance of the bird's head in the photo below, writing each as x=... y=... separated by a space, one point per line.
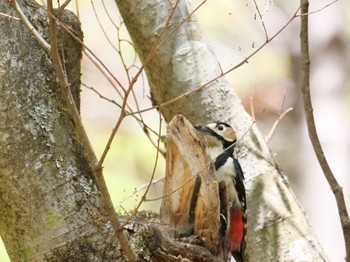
x=218 y=134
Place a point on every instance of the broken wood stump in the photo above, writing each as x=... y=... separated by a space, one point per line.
x=191 y=205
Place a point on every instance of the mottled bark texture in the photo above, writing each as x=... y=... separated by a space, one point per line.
x=49 y=204
x=277 y=227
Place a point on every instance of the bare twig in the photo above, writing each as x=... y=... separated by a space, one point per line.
x=41 y=41
x=320 y=9
x=104 y=70
x=9 y=16
x=62 y=7
x=274 y=126
x=283 y=100
x=137 y=190
x=261 y=20
x=54 y=54
x=305 y=89
x=102 y=28
x=278 y=120
x=100 y=95
x=252 y=109
x=77 y=8
x=157 y=157
x=109 y=16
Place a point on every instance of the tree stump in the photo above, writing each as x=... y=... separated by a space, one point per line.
x=191 y=206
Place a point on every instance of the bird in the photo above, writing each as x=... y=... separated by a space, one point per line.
x=220 y=139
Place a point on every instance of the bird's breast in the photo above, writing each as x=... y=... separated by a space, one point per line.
x=226 y=172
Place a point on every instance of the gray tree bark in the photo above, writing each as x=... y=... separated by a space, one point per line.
x=277 y=227
x=49 y=204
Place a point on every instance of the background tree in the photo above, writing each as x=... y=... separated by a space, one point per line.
x=184 y=46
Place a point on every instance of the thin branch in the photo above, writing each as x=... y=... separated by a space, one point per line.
x=274 y=126
x=100 y=95
x=101 y=27
x=252 y=108
x=261 y=20
x=54 y=54
x=126 y=92
x=157 y=157
x=278 y=120
x=320 y=9
x=137 y=190
x=305 y=89
x=109 y=16
x=77 y=8
x=283 y=100
x=9 y=16
x=41 y=41
x=62 y=7
x=122 y=59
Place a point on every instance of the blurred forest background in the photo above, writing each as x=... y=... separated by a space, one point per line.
x=234 y=30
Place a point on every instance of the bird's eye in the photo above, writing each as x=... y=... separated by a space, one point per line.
x=220 y=128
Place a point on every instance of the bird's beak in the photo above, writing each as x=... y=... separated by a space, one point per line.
x=197 y=127
x=202 y=129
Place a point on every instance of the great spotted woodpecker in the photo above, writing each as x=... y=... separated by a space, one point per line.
x=220 y=139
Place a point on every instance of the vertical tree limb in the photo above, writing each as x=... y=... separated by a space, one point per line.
x=310 y=121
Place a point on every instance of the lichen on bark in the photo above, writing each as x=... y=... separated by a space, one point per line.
x=49 y=201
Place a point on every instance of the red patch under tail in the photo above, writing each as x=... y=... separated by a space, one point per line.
x=236 y=232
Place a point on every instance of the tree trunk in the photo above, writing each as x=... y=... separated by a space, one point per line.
x=49 y=204
x=182 y=61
